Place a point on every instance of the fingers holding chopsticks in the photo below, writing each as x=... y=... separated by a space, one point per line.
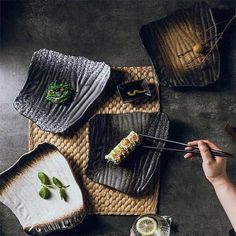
x=205 y=147
x=214 y=166
x=208 y=142
x=190 y=148
x=188 y=155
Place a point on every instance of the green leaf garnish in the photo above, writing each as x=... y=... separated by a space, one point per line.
x=63 y=194
x=44 y=178
x=57 y=182
x=61 y=187
x=44 y=193
x=46 y=183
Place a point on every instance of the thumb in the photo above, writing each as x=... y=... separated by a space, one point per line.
x=205 y=152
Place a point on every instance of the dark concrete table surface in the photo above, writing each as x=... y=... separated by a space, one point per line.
x=108 y=30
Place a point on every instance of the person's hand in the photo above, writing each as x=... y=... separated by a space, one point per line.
x=215 y=171
x=213 y=167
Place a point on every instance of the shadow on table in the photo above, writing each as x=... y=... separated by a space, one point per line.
x=178 y=131
x=96 y=225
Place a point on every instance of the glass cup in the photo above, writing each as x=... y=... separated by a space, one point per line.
x=151 y=225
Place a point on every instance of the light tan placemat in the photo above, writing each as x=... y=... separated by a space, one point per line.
x=98 y=198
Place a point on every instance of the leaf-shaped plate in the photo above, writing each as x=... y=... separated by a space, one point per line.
x=87 y=78
x=136 y=171
x=19 y=190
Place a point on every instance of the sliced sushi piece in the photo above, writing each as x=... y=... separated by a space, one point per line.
x=123 y=148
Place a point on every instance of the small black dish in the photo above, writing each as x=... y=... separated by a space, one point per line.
x=134 y=91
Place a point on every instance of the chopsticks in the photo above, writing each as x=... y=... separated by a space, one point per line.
x=185 y=151
x=194 y=151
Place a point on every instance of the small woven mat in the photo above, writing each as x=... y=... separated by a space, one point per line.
x=98 y=198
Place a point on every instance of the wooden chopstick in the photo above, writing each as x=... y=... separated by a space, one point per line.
x=213 y=151
x=182 y=150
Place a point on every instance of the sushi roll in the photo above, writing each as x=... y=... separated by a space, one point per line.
x=123 y=148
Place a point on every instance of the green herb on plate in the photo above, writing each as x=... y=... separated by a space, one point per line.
x=57 y=182
x=44 y=178
x=59 y=92
x=46 y=183
x=63 y=194
x=61 y=187
x=44 y=192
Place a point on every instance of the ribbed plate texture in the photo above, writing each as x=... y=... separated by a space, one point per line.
x=136 y=171
x=87 y=78
x=173 y=35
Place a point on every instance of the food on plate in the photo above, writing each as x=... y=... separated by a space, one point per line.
x=46 y=183
x=123 y=148
x=59 y=92
x=135 y=92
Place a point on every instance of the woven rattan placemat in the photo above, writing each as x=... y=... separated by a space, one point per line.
x=98 y=198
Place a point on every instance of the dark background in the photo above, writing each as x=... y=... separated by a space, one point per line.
x=107 y=30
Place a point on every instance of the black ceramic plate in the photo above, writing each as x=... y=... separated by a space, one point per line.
x=173 y=35
x=87 y=78
x=137 y=170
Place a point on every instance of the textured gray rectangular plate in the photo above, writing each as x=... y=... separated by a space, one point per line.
x=19 y=187
x=87 y=78
x=136 y=171
x=168 y=37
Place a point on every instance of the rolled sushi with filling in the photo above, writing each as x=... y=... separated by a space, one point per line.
x=123 y=148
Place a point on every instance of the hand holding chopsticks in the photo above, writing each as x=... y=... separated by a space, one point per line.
x=193 y=149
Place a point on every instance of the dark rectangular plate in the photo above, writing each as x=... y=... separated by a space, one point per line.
x=134 y=174
x=133 y=87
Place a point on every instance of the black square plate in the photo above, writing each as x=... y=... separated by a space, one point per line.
x=136 y=171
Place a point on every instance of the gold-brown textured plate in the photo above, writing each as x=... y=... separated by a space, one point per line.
x=168 y=38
